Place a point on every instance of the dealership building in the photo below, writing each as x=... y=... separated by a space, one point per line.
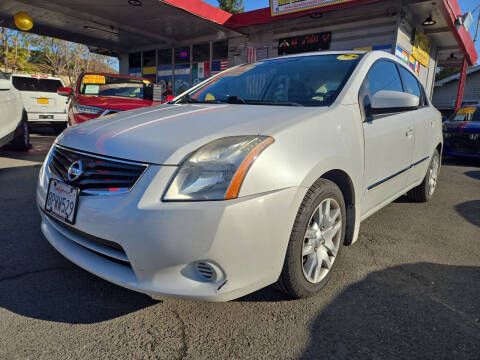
x=180 y=43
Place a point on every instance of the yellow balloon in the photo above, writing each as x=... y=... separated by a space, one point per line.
x=23 y=21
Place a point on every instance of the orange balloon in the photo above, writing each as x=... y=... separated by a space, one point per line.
x=23 y=21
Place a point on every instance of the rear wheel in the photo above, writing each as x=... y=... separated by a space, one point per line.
x=424 y=191
x=22 y=135
x=315 y=242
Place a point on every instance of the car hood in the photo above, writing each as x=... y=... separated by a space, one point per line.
x=166 y=134
x=462 y=127
x=113 y=102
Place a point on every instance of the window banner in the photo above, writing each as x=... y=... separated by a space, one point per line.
x=282 y=7
x=200 y=71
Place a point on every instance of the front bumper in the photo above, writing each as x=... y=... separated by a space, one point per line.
x=245 y=237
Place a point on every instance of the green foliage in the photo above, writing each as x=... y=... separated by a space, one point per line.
x=33 y=54
x=231 y=6
x=446 y=72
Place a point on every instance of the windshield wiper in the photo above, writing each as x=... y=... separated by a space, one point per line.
x=282 y=103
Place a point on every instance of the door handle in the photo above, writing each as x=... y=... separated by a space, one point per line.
x=409 y=132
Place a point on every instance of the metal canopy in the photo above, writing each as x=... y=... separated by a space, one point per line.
x=118 y=26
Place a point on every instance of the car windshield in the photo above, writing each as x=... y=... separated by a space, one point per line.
x=105 y=85
x=23 y=83
x=469 y=113
x=314 y=80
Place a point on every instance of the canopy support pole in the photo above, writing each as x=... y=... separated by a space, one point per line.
x=461 y=85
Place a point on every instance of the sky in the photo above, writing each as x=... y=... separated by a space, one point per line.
x=465 y=5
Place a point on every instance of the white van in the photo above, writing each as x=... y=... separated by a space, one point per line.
x=40 y=98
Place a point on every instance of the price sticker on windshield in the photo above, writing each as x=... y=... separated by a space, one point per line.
x=94 y=79
x=347 y=57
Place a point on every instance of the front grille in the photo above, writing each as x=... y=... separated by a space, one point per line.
x=99 y=175
x=462 y=143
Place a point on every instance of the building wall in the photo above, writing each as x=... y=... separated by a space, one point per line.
x=444 y=96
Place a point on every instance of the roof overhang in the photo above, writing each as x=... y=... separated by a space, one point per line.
x=116 y=26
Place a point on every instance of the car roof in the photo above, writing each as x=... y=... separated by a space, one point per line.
x=37 y=76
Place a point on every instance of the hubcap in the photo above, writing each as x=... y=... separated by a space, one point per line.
x=433 y=175
x=322 y=240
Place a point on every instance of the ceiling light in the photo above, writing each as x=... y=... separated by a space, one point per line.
x=316 y=16
x=135 y=2
x=452 y=56
x=429 y=21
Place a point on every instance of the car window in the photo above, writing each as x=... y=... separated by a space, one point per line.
x=411 y=84
x=304 y=80
x=105 y=85
x=36 y=84
x=2 y=75
x=383 y=75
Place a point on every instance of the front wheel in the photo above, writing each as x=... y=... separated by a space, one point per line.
x=424 y=191
x=315 y=242
x=22 y=136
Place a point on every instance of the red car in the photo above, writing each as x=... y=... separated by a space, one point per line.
x=99 y=94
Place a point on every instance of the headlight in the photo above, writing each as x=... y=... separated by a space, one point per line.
x=216 y=170
x=85 y=109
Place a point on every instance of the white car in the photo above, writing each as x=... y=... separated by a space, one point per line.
x=258 y=175
x=41 y=100
x=13 y=118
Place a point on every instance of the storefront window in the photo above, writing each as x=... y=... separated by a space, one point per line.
x=201 y=63
x=135 y=64
x=164 y=71
x=182 y=70
x=149 y=65
x=220 y=57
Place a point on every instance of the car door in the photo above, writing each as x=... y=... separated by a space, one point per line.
x=7 y=106
x=389 y=138
x=424 y=119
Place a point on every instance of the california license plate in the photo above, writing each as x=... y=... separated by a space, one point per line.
x=62 y=200
x=42 y=101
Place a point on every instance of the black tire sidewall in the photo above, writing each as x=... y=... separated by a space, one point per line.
x=302 y=286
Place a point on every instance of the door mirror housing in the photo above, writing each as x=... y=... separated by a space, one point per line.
x=5 y=84
x=386 y=101
x=64 y=91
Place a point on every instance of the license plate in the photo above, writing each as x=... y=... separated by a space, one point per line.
x=45 y=116
x=62 y=200
x=42 y=101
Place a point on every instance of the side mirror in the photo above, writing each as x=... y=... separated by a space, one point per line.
x=5 y=84
x=64 y=91
x=386 y=101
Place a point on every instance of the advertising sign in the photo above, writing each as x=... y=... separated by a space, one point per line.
x=304 y=43
x=421 y=48
x=282 y=7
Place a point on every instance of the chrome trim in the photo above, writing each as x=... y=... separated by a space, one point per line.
x=130 y=162
x=90 y=192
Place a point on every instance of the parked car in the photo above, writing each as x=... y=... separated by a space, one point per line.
x=40 y=99
x=258 y=175
x=13 y=118
x=461 y=133
x=100 y=94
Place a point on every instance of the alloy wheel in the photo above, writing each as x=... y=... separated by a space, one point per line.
x=322 y=240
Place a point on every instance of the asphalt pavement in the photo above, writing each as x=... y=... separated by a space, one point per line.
x=409 y=288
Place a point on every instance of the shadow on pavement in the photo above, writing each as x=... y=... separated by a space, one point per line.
x=35 y=280
x=420 y=310
x=470 y=210
x=474 y=174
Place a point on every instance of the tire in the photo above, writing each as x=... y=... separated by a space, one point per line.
x=295 y=279
x=22 y=135
x=424 y=192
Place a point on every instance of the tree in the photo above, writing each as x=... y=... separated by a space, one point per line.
x=445 y=72
x=231 y=6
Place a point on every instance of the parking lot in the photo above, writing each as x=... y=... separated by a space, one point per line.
x=409 y=288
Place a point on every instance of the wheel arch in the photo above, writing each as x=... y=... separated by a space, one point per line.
x=344 y=182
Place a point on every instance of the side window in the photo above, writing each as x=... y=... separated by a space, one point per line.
x=2 y=76
x=411 y=85
x=383 y=75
